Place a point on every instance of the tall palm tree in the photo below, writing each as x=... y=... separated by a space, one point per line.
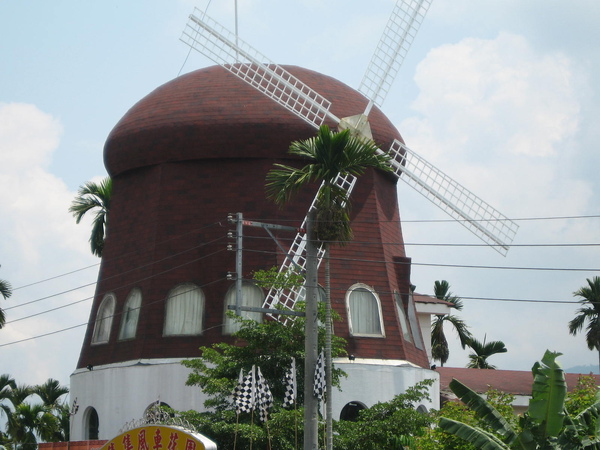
x=590 y=312
x=95 y=197
x=439 y=343
x=482 y=351
x=50 y=392
x=27 y=422
x=328 y=155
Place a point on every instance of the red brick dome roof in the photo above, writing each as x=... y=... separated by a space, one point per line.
x=210 y=113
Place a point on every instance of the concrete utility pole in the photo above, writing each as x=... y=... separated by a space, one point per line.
x=311 y=403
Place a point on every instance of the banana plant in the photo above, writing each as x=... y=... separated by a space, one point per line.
x=545 y=424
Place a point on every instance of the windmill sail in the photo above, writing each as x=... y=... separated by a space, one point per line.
x=214 y=41
x=397 y=37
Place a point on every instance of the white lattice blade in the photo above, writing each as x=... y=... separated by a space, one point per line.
x=398 y=35
x=214 y=41
x=487 y=223
x=278 y=299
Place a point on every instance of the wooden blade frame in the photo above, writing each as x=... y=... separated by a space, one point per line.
x=397 y=37
x=482 y=219
x=214 y=41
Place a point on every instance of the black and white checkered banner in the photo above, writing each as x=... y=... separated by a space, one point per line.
x=264 y=398
x=319 y=386
x=244 y=394
x=290 y=395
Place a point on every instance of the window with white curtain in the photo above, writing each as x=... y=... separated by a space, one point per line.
x=104 y=318
x=364 y=311
x=252 y=296
x=402 y=318
x=184 y=311
x=130 y=314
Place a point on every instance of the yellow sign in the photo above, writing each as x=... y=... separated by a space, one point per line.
x=158 y=437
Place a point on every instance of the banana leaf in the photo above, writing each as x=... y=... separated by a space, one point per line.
x=481 y=439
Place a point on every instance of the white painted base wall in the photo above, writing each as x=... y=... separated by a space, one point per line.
x=121 y=392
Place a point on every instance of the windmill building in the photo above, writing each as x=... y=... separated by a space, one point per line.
x=184 y=157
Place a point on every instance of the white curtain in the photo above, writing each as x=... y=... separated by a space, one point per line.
x=253 y=296
x=104 y=320
x=364 y=312
x=184 y=310
x=130 y=315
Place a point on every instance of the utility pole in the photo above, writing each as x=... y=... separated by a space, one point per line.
x=311 y=403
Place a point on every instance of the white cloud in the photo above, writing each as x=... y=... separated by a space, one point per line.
x=36 y=227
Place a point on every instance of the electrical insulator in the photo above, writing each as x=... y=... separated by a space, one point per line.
x=231 y=234
x=230 y=275
x=230 y=247
x=231 y=218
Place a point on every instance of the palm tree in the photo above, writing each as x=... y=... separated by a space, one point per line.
x=439 y=343
x=482 y=351
x=27 y=422
x=329 y=155
x=5 y=292
x=7 y=384
x=590 y=311
x=50 y=392
x=94 y=197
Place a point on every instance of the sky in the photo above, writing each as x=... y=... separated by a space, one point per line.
x=502 y=95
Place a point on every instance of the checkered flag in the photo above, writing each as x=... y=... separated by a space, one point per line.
x=244 y=394
x=289 y=397
x=319 y=386
x=264 y=398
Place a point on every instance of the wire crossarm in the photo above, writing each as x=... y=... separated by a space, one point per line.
x=483 y=220
x=205 y=35
x=397 y=37
x=286 y=299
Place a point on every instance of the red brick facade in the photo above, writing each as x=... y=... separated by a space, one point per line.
x=198 y=148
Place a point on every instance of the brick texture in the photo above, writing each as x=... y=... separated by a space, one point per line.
x=192 y=151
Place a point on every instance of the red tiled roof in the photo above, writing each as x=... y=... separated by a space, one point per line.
x=422 y=298
x=512 y=381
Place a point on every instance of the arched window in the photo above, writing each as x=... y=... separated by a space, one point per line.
x=184 y=310
x=402 y=318
x=252 y=296
x=104 y=318
x=92 y=424
x=364 y=311
x=350 y=411
x=131 y=314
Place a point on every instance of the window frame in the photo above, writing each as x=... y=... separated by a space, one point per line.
x=108 y=303
x=202 y=307
x=375 y=296
x=125 y=314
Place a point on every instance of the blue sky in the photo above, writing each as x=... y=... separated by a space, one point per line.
x=502 y=95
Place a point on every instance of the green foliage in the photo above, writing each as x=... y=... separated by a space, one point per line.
x=583 y=396
x=545 y=424
x=269 y=345
x=437 y=438
x=27 y=421
x=482 y=351
x=94 y=197
x=273 y=278
x=386 y=425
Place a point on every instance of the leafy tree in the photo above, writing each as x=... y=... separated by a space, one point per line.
x=27 y=421
x=584 y=395
x=590 y=312
x=7 y=384
x=269 y=345
x=482 y=351
x=94 y=197
x=439 y=343
x=386 y=425
x=545 y=423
